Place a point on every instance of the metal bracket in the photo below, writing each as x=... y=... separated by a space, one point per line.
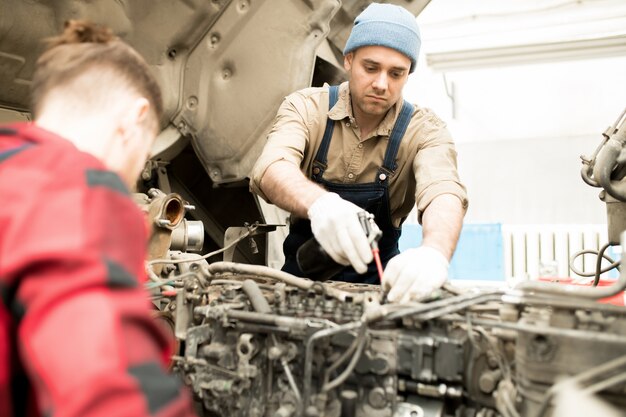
x=234 y=233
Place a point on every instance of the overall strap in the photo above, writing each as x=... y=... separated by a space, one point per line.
x=395 y=138
x=321 y=157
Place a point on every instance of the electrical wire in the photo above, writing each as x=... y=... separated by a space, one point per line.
x=208 y=255
x=596 y=279
x=598 y=271
x=153 y=277
x=153 y=285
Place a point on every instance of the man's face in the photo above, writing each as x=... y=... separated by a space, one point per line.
x=377 y=76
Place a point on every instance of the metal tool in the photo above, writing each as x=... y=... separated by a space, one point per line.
x=373 y=233
x=316 y=264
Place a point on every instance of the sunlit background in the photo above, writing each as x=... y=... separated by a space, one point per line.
x=526 y=87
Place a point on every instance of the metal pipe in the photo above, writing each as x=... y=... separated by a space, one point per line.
x=188 y=236
x=260 y=318
x=291 y=380
x=571 y=333
x=607 y=160
x=604 y=384
x=260 y=305
x=264 y=271
x=586 y=173
x=308 y=356
x=344 y=356
x=457 y=307
x=442 y=305
x=355 y=358
x=558 y=301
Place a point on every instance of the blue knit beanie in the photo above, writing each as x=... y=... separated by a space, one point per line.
x=386 y=25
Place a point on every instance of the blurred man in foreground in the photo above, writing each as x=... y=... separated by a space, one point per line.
x=76 y=335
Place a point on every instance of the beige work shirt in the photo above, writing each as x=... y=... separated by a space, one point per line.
x=426 y=161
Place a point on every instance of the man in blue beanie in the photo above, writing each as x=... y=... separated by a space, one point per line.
x=336 y=151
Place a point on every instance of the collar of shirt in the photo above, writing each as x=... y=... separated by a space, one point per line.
x=33 y=133
x=343 y=110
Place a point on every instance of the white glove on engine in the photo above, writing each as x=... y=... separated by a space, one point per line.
x=415 y=273
x=336 y=227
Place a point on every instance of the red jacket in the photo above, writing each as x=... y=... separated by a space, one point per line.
x=76 y=335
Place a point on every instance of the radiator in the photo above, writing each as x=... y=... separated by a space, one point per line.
x=532 y=251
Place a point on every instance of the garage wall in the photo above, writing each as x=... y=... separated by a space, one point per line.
x=521 y=127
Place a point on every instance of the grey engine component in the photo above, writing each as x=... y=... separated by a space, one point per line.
x=258 y=342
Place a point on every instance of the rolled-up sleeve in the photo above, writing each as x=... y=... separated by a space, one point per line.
x=435 y=167
x=286 y=141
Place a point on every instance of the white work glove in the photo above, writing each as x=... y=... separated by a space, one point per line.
x=415 y=274
x=336 y=227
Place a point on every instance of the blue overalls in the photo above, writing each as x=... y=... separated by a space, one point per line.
x=372 y=197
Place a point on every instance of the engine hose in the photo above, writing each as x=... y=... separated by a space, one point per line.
x=256 y=297
x=267 y=272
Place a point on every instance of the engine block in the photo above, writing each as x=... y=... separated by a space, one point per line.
x=258 y=342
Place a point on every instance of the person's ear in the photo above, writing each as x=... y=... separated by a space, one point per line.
x=347 y=61
x=136 y=115
x=142 y=110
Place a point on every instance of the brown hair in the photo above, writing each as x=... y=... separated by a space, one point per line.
x=85 y=46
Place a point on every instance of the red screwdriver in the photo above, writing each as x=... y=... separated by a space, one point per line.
x=373 y=234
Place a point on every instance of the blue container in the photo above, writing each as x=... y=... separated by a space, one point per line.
x=479 y=254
